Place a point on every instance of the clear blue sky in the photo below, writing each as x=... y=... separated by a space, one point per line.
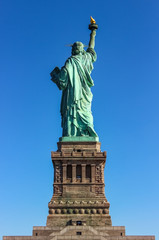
x=34 y=35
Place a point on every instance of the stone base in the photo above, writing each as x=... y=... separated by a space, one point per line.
x=78 y=208
x=79 y=232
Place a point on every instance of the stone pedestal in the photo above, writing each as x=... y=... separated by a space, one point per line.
x=78 y=207
x=79 y=185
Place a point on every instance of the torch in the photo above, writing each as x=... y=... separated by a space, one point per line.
x=93 y=26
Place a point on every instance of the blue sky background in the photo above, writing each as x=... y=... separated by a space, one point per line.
x=34 y=35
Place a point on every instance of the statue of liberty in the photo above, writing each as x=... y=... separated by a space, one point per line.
x=75 y=82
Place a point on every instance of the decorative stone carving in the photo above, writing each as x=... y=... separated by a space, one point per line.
x=81 y=211
x=58 y=173
x=99 y=173
x=58 y=190
x=99 y=211
x=87 y=211
x=51 y=211
x=83 y=202
x=105 y=211
x=69 y=202
x=75 y=211
x=69 y=211
x=57 y=211
x=99 y=190
x=90 y=202
x=63 y=211
x=93 y=211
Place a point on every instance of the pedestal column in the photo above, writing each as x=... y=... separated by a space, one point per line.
x=64 y=167
x=93 y=173
x=83 y=172
x=74 y=172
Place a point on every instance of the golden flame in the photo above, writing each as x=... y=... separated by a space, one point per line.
x=92 y=21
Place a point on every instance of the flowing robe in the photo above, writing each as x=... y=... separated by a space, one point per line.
x=75 y=82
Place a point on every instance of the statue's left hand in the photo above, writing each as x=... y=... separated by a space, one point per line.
x=56 y=69
x=55 y=72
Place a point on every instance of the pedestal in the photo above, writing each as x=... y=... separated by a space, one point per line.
x=79 y=186
x=79 y=208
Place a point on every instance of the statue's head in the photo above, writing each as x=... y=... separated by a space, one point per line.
x=77 y=48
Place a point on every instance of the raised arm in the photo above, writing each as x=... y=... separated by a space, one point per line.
x=93 y=27
x=92 y=39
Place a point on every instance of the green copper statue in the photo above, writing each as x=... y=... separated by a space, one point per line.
x=75 y=82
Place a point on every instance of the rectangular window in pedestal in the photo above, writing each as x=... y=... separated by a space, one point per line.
x=69 y=172
x=88 y=171
x=78 y=172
